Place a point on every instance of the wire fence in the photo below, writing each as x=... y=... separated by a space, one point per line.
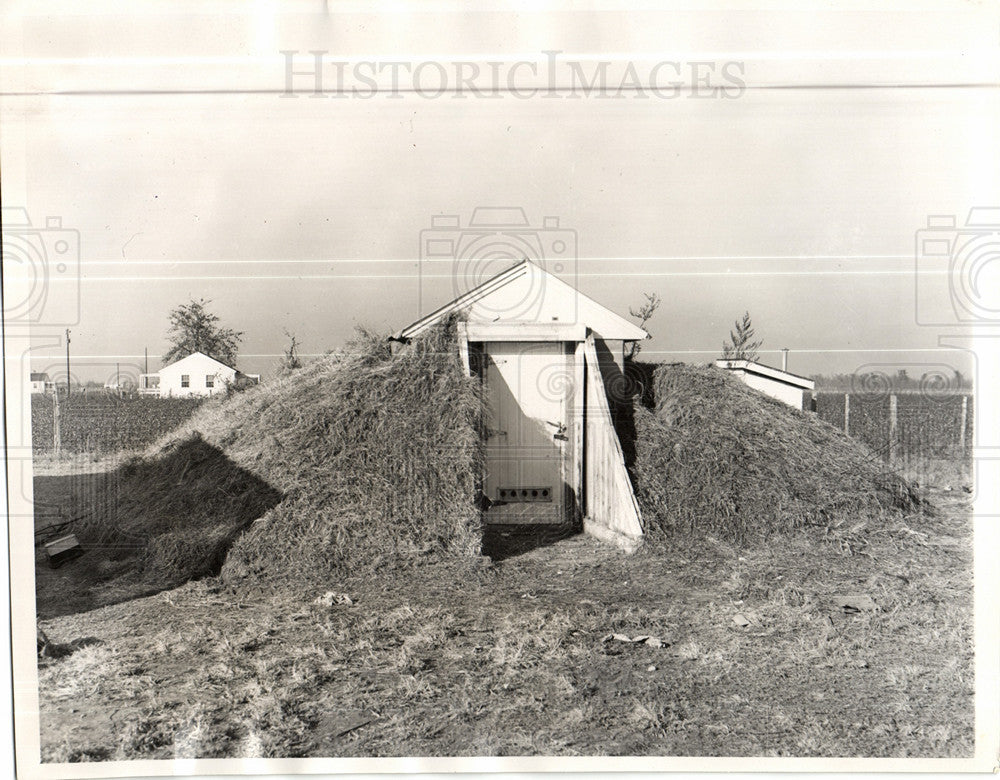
x=903 y=427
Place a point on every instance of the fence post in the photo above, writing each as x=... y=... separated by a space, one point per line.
x=892 y=427
x=56 y=437
x=962 y=424
x=847 y=413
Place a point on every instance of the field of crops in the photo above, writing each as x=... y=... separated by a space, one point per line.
x=103 y=424
x=928 y=425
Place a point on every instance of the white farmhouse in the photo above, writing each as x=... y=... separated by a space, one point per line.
x=791 y=388
x=40 y=383
x=195 y=375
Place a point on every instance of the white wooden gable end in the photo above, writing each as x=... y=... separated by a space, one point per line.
x=201 y=361
x=528 y=300
x=552 y=453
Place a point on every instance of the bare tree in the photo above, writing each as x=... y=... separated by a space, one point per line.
x=741 y=344
x=643 y=313
x=291 y=359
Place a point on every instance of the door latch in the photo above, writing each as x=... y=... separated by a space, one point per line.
x=560 y=433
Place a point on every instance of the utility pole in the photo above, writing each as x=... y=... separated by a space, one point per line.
x=67 y=365
x=145 y=360
x=56 y=417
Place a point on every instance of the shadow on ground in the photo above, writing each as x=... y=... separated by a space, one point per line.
x=507 y=541
x=145 y=526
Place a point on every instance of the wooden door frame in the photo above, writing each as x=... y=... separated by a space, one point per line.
x=571 y=468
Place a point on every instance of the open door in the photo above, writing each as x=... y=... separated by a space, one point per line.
x=611 y=509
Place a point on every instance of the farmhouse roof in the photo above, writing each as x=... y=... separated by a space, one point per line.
x=39 y=377
x=526 y=292
x=753 y=367
x=198 y=355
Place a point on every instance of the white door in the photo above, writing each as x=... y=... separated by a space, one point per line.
x=529 y=389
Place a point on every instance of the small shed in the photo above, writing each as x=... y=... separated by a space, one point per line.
x=553 y=456
x=793 y=389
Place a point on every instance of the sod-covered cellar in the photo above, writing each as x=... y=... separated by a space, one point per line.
x=510 y=411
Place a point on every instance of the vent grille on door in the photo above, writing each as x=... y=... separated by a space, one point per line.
x=525 y=495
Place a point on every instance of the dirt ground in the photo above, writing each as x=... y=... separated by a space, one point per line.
x=752 y=653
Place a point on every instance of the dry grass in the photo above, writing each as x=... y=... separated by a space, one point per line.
x=361 y=459
x=510 y=661
x=373 y=457
x=716 y=457
x=378 y=456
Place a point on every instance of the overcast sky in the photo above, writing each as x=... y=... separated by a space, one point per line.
x=172 y=151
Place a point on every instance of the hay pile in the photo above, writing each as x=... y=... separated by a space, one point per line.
x=716 y=457
x=358 y=460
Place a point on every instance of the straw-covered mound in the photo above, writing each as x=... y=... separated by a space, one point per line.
x=359 y=459
x=715 y=457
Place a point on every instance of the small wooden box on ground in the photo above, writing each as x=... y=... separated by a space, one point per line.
x=63 y=549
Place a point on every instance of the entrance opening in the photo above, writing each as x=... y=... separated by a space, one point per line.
x=528 y=435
